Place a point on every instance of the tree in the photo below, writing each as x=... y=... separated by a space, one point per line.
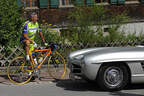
x=10 y=23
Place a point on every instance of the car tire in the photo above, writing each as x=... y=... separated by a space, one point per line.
x=113 y=77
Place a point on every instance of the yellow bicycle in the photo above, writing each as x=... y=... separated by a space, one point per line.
x=20 y=72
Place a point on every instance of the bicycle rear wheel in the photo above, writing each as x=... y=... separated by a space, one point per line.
x=56 y=66
x=19 y=72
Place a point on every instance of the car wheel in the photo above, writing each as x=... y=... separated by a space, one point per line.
x=113 y=77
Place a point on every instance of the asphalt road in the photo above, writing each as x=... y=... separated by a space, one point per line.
x=65 y=88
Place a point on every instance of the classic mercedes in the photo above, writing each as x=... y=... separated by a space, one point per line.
x=111 y=67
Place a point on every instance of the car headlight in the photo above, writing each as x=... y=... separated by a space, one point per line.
x=82 y=61
x=79 y=57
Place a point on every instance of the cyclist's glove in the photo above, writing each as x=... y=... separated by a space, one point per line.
x=46 y=44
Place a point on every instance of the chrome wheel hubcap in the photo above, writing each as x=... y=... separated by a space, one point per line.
x=113 y=76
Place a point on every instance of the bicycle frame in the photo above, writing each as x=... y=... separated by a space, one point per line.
x=41 y=50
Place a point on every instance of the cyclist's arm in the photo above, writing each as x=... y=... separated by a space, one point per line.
x=27 y=38
x=42 y=37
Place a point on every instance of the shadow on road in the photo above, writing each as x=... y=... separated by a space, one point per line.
x=80 y=85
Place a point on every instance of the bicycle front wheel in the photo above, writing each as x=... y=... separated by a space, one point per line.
x=19 y=71
x=56 y=66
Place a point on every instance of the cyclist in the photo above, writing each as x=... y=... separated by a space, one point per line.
x=29 y=33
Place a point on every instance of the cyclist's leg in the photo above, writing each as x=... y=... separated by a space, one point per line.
x=36 y=72
x=26 y=45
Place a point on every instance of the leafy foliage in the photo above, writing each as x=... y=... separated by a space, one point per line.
x=10 y=22
x=50 y=34
x=87 y=25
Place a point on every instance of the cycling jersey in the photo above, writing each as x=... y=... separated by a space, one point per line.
x=31 y=29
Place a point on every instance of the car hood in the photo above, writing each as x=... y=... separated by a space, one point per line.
x=85 y=51
x=108 y=54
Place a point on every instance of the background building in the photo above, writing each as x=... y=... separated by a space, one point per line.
x=56 y=11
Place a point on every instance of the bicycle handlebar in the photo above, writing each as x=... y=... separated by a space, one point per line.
x=53 y=46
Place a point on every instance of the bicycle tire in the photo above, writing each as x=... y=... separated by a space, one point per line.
x=56 y=66
x=18 y=71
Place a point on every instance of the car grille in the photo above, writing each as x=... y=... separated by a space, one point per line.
x=75 y=69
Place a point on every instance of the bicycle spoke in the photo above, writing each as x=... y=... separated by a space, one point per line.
x=57 y=66
x=17 y=71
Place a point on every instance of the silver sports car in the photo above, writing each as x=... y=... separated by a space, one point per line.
x=111 y=67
